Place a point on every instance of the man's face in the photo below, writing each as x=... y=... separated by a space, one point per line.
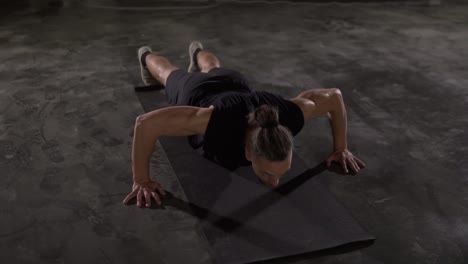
x=270 y=172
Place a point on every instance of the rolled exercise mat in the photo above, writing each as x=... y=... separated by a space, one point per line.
x=245 y=221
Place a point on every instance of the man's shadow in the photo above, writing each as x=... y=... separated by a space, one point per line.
x=237 y=219
x=250 y=210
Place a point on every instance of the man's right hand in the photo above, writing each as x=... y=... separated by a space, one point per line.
x=144 y=191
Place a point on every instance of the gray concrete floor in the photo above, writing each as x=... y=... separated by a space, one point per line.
x=68 y=110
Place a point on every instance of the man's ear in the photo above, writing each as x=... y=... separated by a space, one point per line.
x=248 y=155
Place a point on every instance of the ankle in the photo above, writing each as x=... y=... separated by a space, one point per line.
x=195 y=55
x=143 y=58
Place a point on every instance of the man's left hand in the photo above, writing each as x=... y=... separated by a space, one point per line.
x=347 y=161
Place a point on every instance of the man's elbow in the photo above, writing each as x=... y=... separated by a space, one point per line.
x=146 y=121
x=336 y=97
x=139 y=120
x=336 y=101
x=335 y=92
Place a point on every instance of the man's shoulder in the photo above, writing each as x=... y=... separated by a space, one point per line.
x=273 y=98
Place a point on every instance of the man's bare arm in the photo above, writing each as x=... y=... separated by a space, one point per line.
x=170 y=121
x=319 y=102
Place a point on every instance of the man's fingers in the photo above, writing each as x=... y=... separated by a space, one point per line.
x=147 y=197
x=161 y=190
x=156 y=197
x=354 y=166
x=357 y=166
x=139 y=198
x=129 y=197
x=343 y=165
x=360 y=163
x=144 y=192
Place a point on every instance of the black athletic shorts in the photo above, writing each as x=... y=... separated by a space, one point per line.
x=183 y=87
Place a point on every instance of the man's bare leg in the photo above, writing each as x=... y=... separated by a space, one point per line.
x=207 y=61
x=159 y=67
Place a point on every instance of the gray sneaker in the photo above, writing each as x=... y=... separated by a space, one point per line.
x=194 y=45
x=146 y=76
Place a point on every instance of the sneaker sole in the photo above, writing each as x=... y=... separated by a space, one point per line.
x=143 y=73
x=192 y=48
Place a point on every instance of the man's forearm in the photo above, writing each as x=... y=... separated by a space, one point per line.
x=338 y=123
x=142 y=150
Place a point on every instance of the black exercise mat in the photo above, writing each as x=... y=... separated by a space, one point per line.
x=246 y=221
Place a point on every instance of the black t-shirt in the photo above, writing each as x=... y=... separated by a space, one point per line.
x=223 y=141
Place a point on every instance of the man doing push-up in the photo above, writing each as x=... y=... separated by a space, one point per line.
x=235 y=125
